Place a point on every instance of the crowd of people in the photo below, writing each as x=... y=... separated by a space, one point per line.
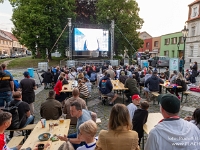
x=125 y=125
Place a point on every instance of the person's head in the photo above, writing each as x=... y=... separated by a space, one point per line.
x=180 y=76
x=66 y=146
x=144 y=105
x=75 y=92
x=51 y=94
x=162 y=74
x=136 y=99
x=149 y=72
x=26 y=74
x=175 y=72
x=119 y=117
x=61 y=78
x=169 y=105
x=108 y=75
x=3 y=66
x=79 y=81
x=17 y=95
x=85 y=79
x=195 y=63
x=196 y=116
x=76 y=109
x=87 y=130
x=62 y=74
x=5 y=119
x=155 y=73
x=123 y=73
x=130 y=76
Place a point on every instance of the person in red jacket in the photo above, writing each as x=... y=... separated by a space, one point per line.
x=58 y=88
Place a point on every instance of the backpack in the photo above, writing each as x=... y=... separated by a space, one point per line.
x=13 y=109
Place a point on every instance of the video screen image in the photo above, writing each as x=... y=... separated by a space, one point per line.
x=91 y=39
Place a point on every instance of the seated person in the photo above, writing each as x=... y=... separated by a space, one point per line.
x=123 y=77
x=153 y=82
x=5 y=122
x=83 y=90
x=25 y=116
x=66 y=108
x=87 y=134
x=142 y=79
x=51 y=108
x=140 y=118
x=119 y=135
x=82 y=116
x=167 y=73
x=131 y=84
x=195 y=118
x=163 y=76
x=105 y=87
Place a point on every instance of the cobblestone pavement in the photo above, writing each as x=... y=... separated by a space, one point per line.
x=103 y=111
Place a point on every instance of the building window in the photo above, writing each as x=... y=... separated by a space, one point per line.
x=172 y=53
x=191 y=51
x=166 y=53
x=193 y=31
x=147 y=45
x=194 y=14
x=156 y=44
x=167 y=41
x=174 y=40
x=180 y=39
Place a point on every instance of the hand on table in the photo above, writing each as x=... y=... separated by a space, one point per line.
x=63 y=138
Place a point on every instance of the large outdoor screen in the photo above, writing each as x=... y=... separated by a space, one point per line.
x=91 y=39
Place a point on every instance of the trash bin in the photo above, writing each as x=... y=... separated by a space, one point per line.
x=31 y=72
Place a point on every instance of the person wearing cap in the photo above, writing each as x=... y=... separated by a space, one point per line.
x=152 y=84
x=122 y=77
x=132 y=107
x=131 y=84
x=27 y=86
x=172 y=132
x=105 y=87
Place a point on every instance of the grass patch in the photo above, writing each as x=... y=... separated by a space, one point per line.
x=29 y=62
x=3 y=60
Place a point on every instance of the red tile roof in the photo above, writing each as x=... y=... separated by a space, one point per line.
x=10 y=35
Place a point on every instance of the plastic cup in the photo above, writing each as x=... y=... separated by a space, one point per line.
x=43 y=121
x=61 y=119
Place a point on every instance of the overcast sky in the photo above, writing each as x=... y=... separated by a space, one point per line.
x=160 y=16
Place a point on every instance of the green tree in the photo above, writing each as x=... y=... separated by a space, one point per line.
x=125 y=13
x=40 y=22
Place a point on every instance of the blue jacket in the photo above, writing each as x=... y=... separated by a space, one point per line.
x=105 y=85
x=154 y=83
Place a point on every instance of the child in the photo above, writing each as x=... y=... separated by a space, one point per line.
x=140 y=118
x=195 y=119
x=5 y=121
x=132 y=107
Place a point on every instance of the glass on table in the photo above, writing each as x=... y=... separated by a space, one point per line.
x=61 y=119
x=51 y=127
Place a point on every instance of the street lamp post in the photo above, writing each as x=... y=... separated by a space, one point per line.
x=185 y=33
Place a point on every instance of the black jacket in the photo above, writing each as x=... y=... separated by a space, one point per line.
x=48 y=76
x=154 y=83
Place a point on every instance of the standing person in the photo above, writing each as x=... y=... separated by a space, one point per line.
x=47 y=79
x=119 y=135
x=140 y=118
x=27 y=86
x=51 y=108
x=194 y=72
x=172 y=132
x=6 y=88
x=58 y=88
x=181 y=62
x=5 y=122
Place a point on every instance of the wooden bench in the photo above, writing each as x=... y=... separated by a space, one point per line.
x=15 y=141
x=186 y=93
x=155 y=94
x=26 y=129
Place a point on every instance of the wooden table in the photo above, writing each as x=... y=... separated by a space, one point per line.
x=69 y=86
x=61 y=129
x=117 y=85
x=153 y=119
